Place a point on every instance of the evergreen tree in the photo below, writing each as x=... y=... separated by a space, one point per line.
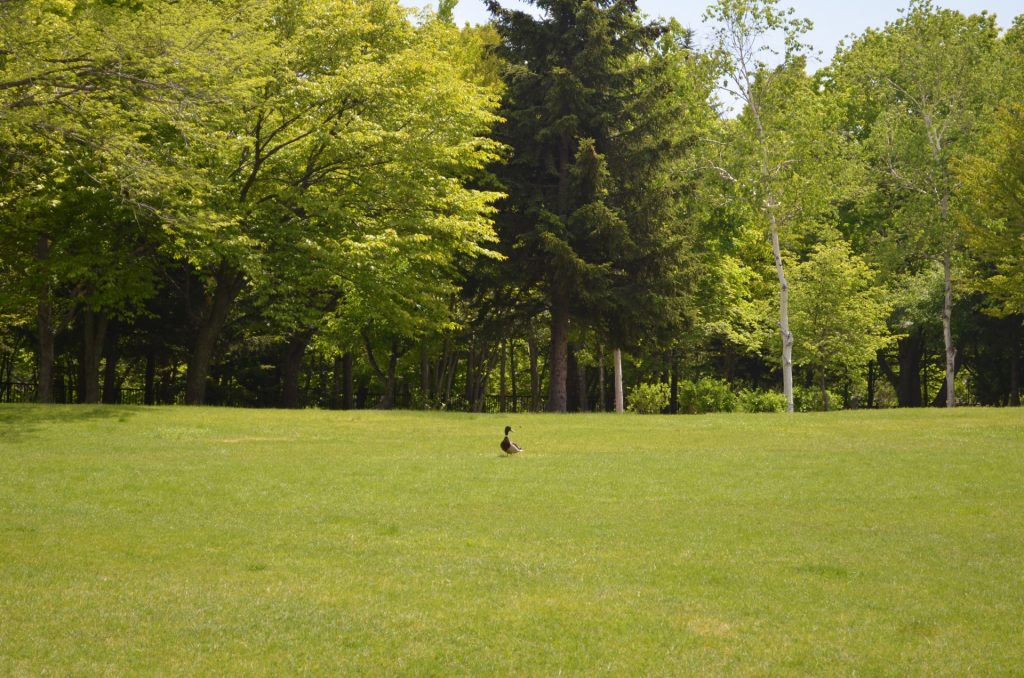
x=594 y=118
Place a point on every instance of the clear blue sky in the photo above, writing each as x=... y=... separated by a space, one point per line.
x=833 y=19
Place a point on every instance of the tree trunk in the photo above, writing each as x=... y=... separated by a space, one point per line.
x=534 y=374
x=150 y=397
x=572 y=395
x=450 y=377
x=334 y=390
x=47 y=352
x=559 y=367
x=673 y=405
x=94 y=331
x=924 y=387
x=229 y=283
x=824 y=392
x=307 y=387
x=871 y=386
x=908 y=382
x=512 y=374
x=388 y=378
x=347 y=382
x=947 y=331
x=601 y=405
x=471 y=370
x=581 y=385
x=424 y=373
x=113 y=355
x=64 y=384
x=620 y=406
x=44 y=319
x=501 y=379
x=787 y=336
x=941 y=398
x=1015 y=370
x=390 y=398
x=291 y=368
x=485 y=366
x=729 y=360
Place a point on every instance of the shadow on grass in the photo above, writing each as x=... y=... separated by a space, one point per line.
x=21 y=420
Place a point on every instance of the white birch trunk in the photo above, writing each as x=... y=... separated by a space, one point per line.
x=947 y=331
x=619 y=401
x=787 y=336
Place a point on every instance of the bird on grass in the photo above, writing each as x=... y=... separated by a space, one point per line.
x=507 y=446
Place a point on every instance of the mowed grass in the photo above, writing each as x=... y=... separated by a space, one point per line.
x=166 y=541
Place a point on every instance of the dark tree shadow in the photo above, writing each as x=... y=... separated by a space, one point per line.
x=21 y=420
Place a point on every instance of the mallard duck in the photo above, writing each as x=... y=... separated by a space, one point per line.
x=507 y=445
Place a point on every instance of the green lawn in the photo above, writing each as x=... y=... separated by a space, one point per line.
x=164 y=541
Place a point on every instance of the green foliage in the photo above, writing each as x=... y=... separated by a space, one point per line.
x=706 y=395
x=758 y=401
x=839 y=313
x=709 y=395
x=922 y=86
x=811 y=399
x=648 y=398
x=600 y=109
x=254 y=176
x=739 y=305
x=930 y=71
x=993 y=176
x=297 y=156
x=784 y=158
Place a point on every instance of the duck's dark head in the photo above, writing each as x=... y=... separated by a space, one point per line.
x=507 y=429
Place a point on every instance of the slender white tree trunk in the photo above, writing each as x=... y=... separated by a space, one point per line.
x=787 y=336
x=947 y=331
x=619 y=402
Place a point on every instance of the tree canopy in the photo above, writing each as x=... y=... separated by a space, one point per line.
x=351 y=203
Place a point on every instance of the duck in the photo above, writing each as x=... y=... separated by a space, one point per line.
x=507 y=445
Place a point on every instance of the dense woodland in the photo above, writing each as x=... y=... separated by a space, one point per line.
x=346 y=203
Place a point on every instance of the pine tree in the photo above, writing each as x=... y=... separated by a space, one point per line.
x=594 y=119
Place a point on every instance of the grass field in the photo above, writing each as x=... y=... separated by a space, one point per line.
x=166 y=541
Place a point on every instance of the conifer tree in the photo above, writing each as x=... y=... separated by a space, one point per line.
x=596 y=112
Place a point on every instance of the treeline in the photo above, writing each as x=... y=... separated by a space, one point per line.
x=340 y=203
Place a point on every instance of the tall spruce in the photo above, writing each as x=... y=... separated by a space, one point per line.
x=593 y=120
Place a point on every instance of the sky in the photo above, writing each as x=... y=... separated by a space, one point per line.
x=833 y=19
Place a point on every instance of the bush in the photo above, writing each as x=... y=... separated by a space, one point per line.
x=808 y=399
x=648 y=398
x=753 y=400
x=706 y=395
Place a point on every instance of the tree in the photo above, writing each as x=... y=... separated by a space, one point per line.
x=784 y=156
x=993 y=216
x=593 y=115
x=292 y=147
x=993 y=178
x=352 y=131
x=73 y=90
x=926 y=78
x=839 y=313
x=993 y=223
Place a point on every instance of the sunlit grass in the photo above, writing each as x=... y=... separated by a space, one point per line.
x=207 y=541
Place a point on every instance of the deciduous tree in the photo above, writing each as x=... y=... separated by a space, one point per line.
x=784 y=156
x=839 y=313
x=924 y=81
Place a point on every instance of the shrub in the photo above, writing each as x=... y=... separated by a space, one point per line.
x=753 y=400
x=808 y=399
x=706 y=395
x=648 y=398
